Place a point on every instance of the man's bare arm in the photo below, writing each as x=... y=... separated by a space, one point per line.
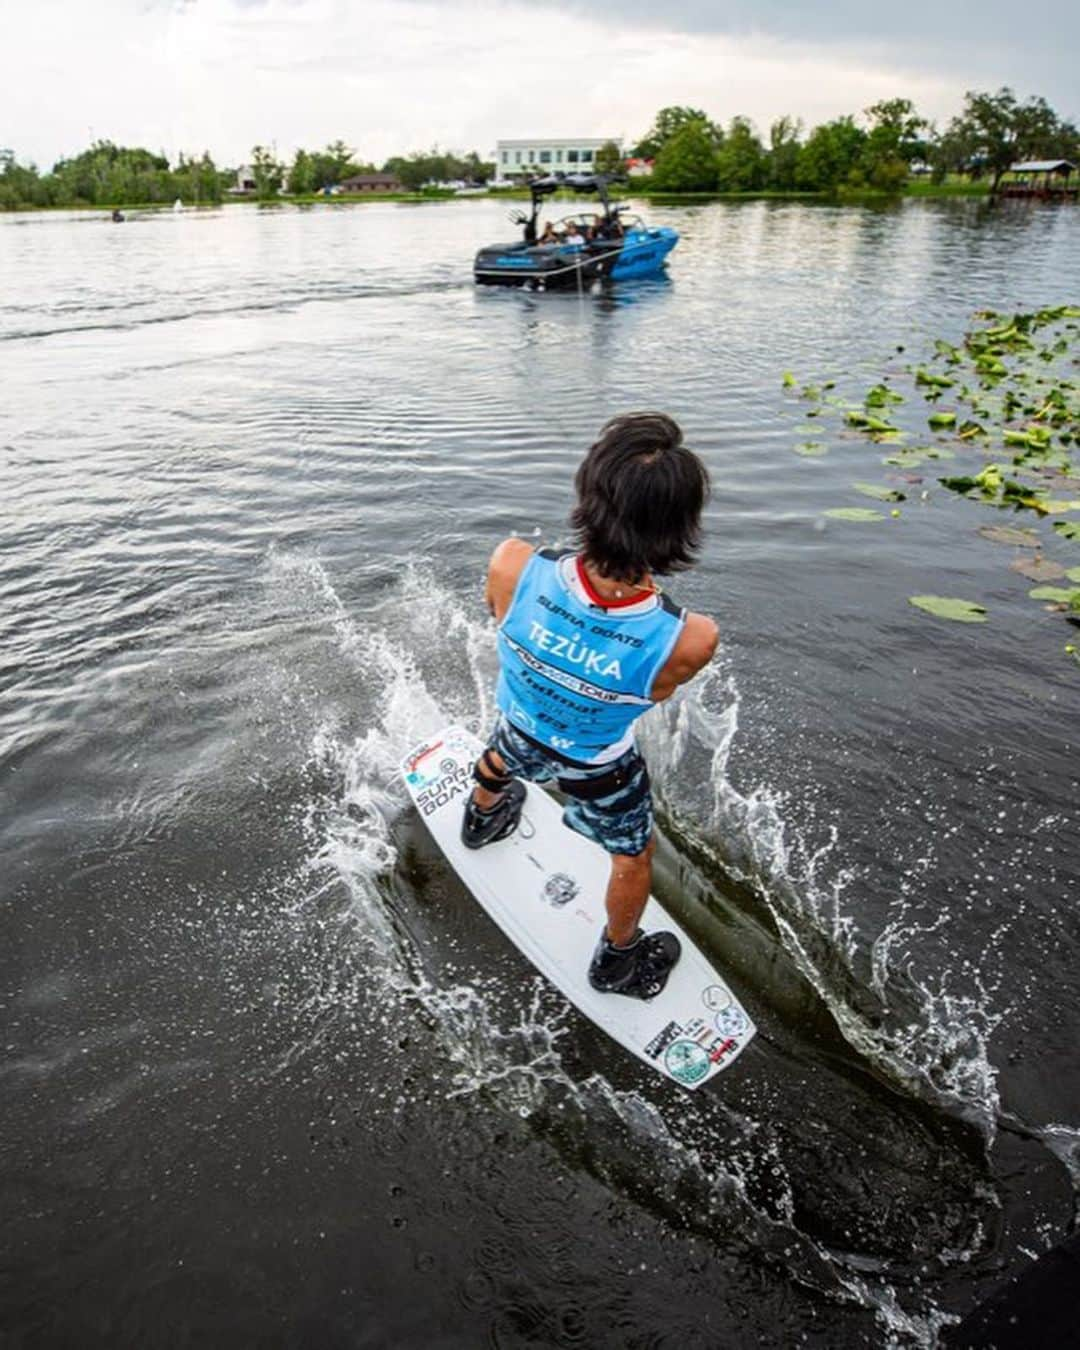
x=507 y=563
x=694 y=650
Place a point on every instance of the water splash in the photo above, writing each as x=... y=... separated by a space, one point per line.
x=405 y=646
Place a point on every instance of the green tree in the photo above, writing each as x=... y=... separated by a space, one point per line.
x=268 y=173
x=783 y=156
x=197 y=180
x=895 y=138
x=830 y=154
x=608 y=158
x=667 y=123
x=21 y=184
x=900 y=127
x=301 y=179
x=687 y=162
x=994 y=131
x=740 y=160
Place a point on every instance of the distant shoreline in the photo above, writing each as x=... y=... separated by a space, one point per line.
x=846 y=196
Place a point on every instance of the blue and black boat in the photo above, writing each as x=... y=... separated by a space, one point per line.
x=589 y=246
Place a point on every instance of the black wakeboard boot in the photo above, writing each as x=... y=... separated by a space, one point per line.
x=488 y=827
x=640 y=970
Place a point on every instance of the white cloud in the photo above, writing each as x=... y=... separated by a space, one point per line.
x=387 y=76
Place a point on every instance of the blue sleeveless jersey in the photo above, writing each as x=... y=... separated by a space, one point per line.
x=576 y=676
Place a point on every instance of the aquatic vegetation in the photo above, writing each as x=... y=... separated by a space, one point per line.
x=1038 y=568
x=811 y=449
x=856 y=513
x=1066 y=599
x=1014 y=405
x=911 y=457
x=924 y=377
x=949 y=607
x=883 y=494
x=865 y=422
x=1009 y=534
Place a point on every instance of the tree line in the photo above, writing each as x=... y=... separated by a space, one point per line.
x=992 y=131
x=691 y=153
x=116 y=175
x=109 y=175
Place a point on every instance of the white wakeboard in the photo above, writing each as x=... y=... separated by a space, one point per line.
x=544 y=886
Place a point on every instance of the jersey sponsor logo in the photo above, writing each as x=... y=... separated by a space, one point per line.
x=572 y=650
x=546 y=603
x=574 y=683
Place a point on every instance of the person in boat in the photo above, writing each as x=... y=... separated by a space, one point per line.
x=549 y=236
x=588 y=642
x=573 y=235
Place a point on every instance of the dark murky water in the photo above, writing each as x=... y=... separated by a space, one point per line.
x=269 y=1075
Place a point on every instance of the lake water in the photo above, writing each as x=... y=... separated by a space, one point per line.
x=269 y=1074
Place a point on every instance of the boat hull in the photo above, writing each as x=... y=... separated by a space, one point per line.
x=641 y=253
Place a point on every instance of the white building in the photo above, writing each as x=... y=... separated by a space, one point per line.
x=519 y=159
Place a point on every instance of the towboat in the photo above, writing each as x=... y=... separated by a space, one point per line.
x=618 y=245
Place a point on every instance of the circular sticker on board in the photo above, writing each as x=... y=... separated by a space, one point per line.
x=730 y=1021
x=715 y=997
x=686 y=1061
x=560 y=889
x=447 y=766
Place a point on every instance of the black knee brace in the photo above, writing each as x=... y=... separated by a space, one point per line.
x=488 y=777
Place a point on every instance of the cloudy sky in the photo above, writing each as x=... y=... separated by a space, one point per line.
x=398 y=75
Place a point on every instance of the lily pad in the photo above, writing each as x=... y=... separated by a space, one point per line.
x=1009 y=534
x=1069 y=528
x=968 y=430
x=880 y=396
x=942 y=420
x=924 y=377
x=788 y=380
x=883 y=494
x=854 y=513
x=1056 y=593
x=1073 y=573
x=865 y=422
x=1057 y=507
x=949 y=607
x=1038 y=569
x=811 y=449
x=915 y=455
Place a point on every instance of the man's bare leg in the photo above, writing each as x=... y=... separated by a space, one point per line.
x=484 y=799
x=627 y=893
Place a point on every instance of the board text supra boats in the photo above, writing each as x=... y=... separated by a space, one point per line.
x=580 y=248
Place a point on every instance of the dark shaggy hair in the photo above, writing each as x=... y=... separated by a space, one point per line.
x=640 y=496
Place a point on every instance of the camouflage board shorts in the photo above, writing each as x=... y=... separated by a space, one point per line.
x=620 y=822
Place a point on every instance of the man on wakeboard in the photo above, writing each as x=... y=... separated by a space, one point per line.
x=587 y=643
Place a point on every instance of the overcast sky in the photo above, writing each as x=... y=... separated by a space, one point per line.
x=399 y=75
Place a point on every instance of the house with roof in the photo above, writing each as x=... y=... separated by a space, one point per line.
x=1046 y=179
x=371 y=182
